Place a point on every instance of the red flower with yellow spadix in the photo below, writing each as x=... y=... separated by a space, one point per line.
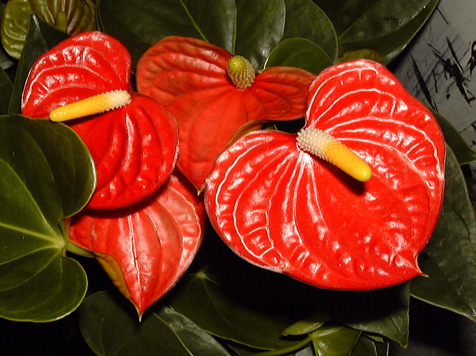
x=132 y=138
x=213 y=93
x=350 y=200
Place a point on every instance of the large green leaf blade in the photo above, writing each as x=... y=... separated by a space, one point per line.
x=386 y=26
x=153 y=20
x=69 y=159
x=37 y=282
x=449 y=260
x=300 y=53
x=110 y=327
x=54 y=292
x=259 y=28
x=226 y=316
x=306 y=20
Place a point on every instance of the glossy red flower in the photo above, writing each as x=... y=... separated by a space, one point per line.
x=134 y=147
x=145 y=248
x=190 y=78
x=286 y=210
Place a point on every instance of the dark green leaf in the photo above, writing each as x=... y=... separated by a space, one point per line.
x=307 y=325
x=69 y=160
x=449 y=260
x=71 y=16
x=300 y=53
x=386 y=26
x=368 y=347
x=334 y=340
x=226 y=316
x=331 y=8
x=306 y=20
x=41 y=37
x=464 y=154
x=5 y=92
x=383 y=312
x=152 y=20
x=259 y=27
x=37 y=282
x=110 y=327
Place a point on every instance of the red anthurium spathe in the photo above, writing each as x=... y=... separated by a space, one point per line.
x=134 y=147
x=284 y=209
x=145 y=248
x=191 y=78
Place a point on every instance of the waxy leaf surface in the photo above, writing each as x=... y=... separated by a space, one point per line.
x=134 y=147
x=145 y=248
x=71 y=16
x=283 y=209
x=38 y=189
x=111 y=329
x=189 y=77
x=244 y=27
x=451 y=282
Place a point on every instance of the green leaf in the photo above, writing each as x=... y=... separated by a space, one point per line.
x=110 y=327
x=153 y=20
x=41 y=37
x=386 y=26
x=383 y=312
x=259 y=27
x=367 y=347
x=37 y=281
x=5 y=92
x=300 y=53
x=449 y=260
x=306 y=20
x=331 y=340
x=307 y=325
x=225 y=315
x=71 y=16
x=68 y=158
x=464 y=154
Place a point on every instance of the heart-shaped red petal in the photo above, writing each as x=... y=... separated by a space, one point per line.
x=283 y=209
x=147 y=247
x=189 y=77
x=134 y=147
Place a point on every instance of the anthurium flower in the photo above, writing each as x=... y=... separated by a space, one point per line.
x=213 y=93
x=275 y=199
x=145 y=248
x=135 y=146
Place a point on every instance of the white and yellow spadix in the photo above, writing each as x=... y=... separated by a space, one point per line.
x=90 y=106
x=328 y=148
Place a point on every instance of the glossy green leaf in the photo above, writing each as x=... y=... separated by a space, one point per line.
x=245 y=27
x=38 y=189
x=307 y=325
x=331 y=340
x=152 y=20
x=71 y=16
x=227 y=316
x=449 y=260
x=6 y=92
x=383 y=312
x=304 y=19
x=386 y=26
x=41 y=37
x=365 y=346
x=259 y=27
x=463 y=152
x=299 y=53
x=110 y=327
